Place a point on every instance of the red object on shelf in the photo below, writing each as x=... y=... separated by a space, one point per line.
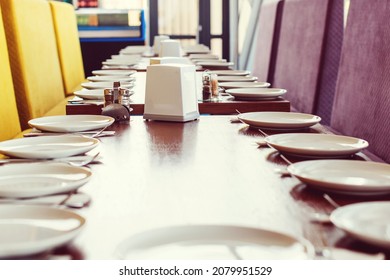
x=88 y=4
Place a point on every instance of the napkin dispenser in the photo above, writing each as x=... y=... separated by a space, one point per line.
x=171 y=93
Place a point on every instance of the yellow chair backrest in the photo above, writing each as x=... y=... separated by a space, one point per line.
x=33 y=55
x=68 y=44
x=9 y=120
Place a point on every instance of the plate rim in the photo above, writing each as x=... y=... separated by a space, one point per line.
x=334 y=186
x=39 y=155
x=111 y=78
x=238 y=72
x=88 y=93
x=73 y=185
x=89 y=85
x=228 y=85
x=239 y=78
x=374 y=240
x=132 y=72
x=55 y=128
x=35 y=247
x=314 y=152
x=145 y=235
x=274 y=125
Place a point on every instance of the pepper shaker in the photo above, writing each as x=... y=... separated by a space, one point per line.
x=124 y=97
x=108 y=97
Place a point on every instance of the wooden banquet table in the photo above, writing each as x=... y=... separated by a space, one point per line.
x=209 y=171
x=224 y=106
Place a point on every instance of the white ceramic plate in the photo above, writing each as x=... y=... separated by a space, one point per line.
x=31 y=180
x=344 y=176
x=126 y=56
x=236 y=79
x=230 y=72
x=213 y=242
x=113 y=72
x=135 y=49
x=27 y=230
x=93 y=94
x=71 y=123
x=206 y=60
x=243 y=85
x=316 y=145
x=189 y=52
x=366 y=221
x=45 y=147
x=103 y=85
x=110 y=79
x=196 y=49
x=215 y=64
x=255 y=93
x=202 y=56
x=116 y=62
x=279 y=120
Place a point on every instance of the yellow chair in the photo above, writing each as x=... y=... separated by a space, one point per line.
x=34 y=61
x=68 y=44
x=9 y=120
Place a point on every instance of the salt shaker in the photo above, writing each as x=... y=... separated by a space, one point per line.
x=124 y=97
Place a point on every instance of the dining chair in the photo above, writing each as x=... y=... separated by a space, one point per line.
x=34 y=61
x=305 y=39
x=331 y=53
x=361 y=104
x=9 y=120
x=267 y=40
x=68 y=45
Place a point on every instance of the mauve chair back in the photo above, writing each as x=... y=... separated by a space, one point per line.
x=300 y=56
x=362 y=101
x=267 y=40
x=330 y=61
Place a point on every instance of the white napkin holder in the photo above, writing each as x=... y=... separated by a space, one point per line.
x=170 y=48
x=171 y=93
x=157 y=42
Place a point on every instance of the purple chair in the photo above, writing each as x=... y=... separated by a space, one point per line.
x=267 y=40
x=331 y=53
x=362 y=101
x=308 y=54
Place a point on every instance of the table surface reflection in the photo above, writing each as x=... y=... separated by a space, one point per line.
x=209 y=171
